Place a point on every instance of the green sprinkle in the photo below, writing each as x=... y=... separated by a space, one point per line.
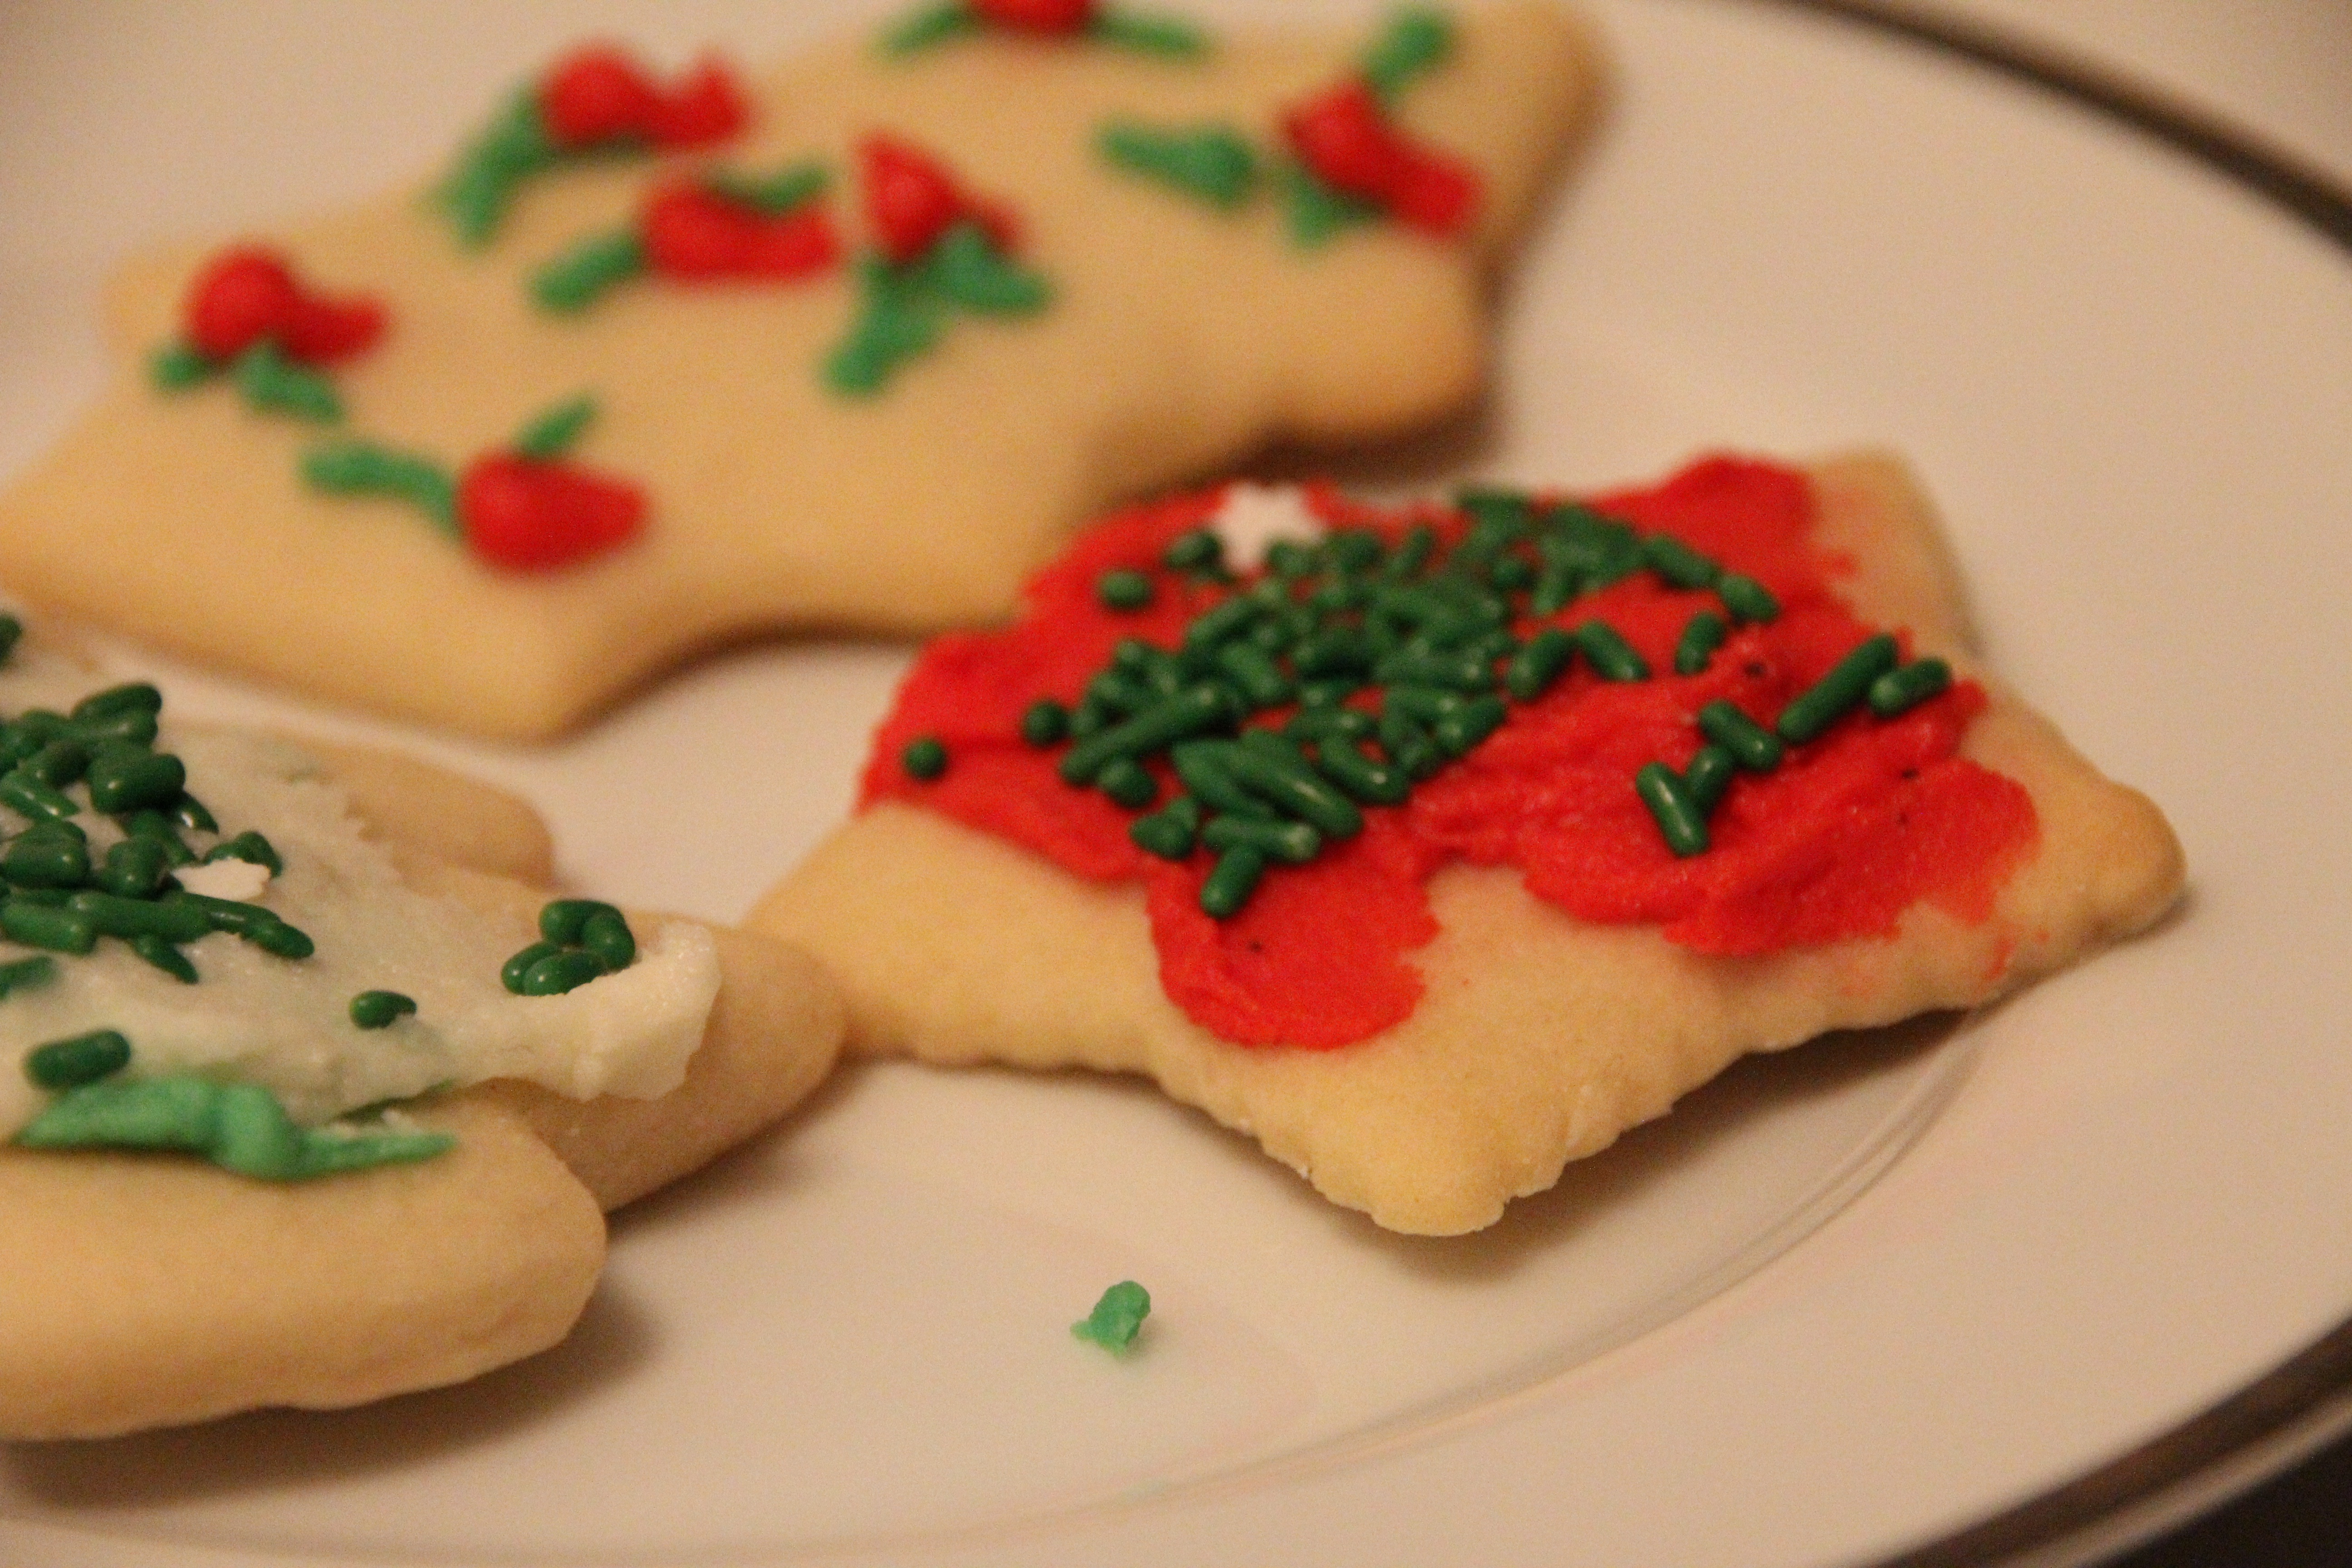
x=29 y=796
x=36 y=859
x=1202 y=765
x=551 y=433
x=50 y=930
x=581 y=274
x=1189 y=712
x=1709 y=775
x=1254 y=671
x=1747 y=599
x=564 y=922
x=1212 y=162
x=1702 y=634
x=177 y=366
x=1293 y=843
x=1117 y=1319
x=1287 y=783
x=83 y=1059
x=605 y=937
x=379 y=1009
x=152 y=826
x=1416 y=40
x=11 y=629
x=924 y=758
x=130 y=697
x=1194 y=550
x=561 y=972
x=511 y=974
x=1451 y=672
x=126 y=778
x=1677 y=815
x=1169 y=832
x=250 y=847
x=25 y=973
x=279 y=940
x=58 y=764
x=1129 y=783
x=160 y=951
x=1409 y=745
x=1610 y=656
x=1678 y=564
x=110 y=915
x=968 y=270
x=1124 y=591
x=1232 y=881
x=189 y=812
x=928 y=25
x=1148 y=34
x=1460 y=732
x=357 y=468
x=1044 y=723
x=1831 y=698
x=1536 y=667
x=134 y=868
x=1363 y=779
x=1751 y=746
x=240 y=1126
x=268 y=380
x=1899 y=691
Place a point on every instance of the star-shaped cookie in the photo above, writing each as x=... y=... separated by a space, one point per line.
x=1706 y=769
x=805 y=451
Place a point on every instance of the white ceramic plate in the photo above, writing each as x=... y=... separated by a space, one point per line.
x=1837 y=1305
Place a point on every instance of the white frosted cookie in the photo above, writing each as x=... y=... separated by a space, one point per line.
x=1516 y=957
x=160 y=1269
x=654 y=403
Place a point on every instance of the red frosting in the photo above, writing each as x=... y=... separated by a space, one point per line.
x=527 y=514
x=1849 y=832
x=1037 y=15
x=600 y=93
x=1346 y=139
x=249 y=292
x=911 y=200
x=691 y=231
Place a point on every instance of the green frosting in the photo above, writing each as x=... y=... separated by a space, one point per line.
x=240 y=1126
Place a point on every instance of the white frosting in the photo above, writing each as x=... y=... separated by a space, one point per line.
x=286 y=1023
x=1251 y=516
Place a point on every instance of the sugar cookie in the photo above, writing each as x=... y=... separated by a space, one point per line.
x=493 y=453
x=244 y=992
x=1542 y=813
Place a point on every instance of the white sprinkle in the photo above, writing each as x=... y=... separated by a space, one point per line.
x=226 y=878
x=1253 y=517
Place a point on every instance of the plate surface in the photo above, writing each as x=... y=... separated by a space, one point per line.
x=1839 y=1303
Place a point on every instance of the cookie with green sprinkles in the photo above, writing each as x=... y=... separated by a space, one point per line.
x=980 y=348
x=1463 y=853
x=239 y=1170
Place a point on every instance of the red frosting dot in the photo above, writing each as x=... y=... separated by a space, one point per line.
x=526 y=515
x=691 y=231
x=1345 y=137
x=1037 y=15
x=911 y=200
x=248 y=293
